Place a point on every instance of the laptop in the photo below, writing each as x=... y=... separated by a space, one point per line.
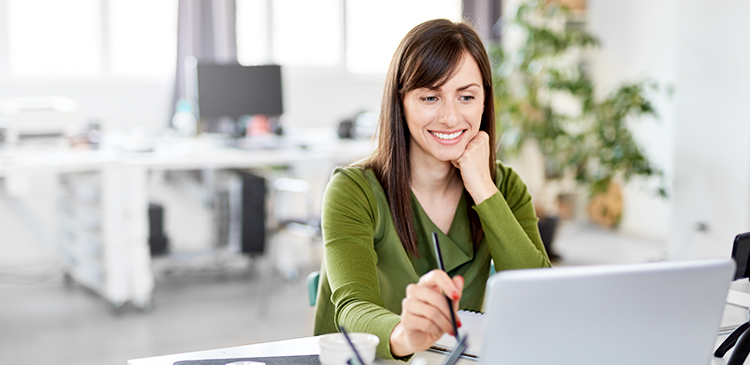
x=652 y=313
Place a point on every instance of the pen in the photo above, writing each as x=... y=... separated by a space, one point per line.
x=442 y=267
x=354 y=349
x=457 y=351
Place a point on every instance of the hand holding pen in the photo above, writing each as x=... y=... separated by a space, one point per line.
x=425 y=314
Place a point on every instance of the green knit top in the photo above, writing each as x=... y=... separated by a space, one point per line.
x=366 y=268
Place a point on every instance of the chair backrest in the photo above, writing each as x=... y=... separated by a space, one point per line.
x=312 y=286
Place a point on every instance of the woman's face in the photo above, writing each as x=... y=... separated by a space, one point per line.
x=442 y=121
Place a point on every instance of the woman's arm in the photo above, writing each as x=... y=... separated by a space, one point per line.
x=510 y=224
x=504 y=208
x=474 y=168
x=349 y=219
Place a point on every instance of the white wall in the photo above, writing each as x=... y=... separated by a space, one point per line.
x=323 y=97
x=637 y=43
x=712 y=149
x=313 y=97
x=117 y=102
x=701 y=48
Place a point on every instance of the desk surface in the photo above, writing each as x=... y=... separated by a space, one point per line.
x=306 y=346
x=179 y=154
x=298 y=346
x=733 y=315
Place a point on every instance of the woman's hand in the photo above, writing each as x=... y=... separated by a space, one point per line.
x=475 y=168
x=425 y=315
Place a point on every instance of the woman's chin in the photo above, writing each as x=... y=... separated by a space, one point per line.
x=447 y=157
x=445 y=154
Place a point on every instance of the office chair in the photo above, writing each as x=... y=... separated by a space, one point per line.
x=740 y=337
x=312 y=287
x=286 y=186
x=290 y=192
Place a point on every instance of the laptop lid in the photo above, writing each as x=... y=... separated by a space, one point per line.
x=652 y=313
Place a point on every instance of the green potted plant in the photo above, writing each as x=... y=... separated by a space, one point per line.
x=544 y=96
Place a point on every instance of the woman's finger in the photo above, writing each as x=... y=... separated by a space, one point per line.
x=423 y=316
x=459 y=281
x=430 y=297
x=440 y=281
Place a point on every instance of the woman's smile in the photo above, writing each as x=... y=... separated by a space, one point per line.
x=448 y=138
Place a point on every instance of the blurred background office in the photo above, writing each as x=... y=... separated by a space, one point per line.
x=132 y=226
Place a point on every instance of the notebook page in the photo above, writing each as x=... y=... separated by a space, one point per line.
x=472 y=324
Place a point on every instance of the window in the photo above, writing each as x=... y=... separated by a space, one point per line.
x=139 y=37
x=54 y=37
x=375 y=28
x=253 y=47
x=143 y=36
x=307 y=32
x=302 y=32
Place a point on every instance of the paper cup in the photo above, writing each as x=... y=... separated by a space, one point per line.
x=335 y=350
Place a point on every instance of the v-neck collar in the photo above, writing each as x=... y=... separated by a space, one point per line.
x=456 y=246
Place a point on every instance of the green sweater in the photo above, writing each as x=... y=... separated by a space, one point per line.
x=366 y=269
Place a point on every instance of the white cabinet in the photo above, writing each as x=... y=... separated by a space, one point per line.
x=103 y=233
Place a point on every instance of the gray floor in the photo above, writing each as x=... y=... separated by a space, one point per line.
x=45 y=321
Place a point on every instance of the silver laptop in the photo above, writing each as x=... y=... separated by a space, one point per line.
x=652 y=313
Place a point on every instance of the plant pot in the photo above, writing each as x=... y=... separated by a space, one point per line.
x=606 y=208
x=547 y=229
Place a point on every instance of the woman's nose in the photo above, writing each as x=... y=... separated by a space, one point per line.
x=449 y=114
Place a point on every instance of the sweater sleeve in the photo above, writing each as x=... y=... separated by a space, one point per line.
x=349 y=220
x=510 y=225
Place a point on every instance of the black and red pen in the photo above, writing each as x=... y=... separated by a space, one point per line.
x=441 y=266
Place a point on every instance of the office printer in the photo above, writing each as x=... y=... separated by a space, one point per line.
x=36 y=119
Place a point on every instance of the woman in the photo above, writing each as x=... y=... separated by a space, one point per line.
x=434 y=171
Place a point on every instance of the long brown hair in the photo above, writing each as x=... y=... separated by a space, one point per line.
x=428 y=56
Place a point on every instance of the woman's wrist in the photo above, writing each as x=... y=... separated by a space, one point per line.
x=482 y=193
x=397 y=342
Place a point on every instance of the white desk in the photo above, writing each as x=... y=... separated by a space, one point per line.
x=733 y=315
x=298 y=346
x=301 y=346
x=119 y=267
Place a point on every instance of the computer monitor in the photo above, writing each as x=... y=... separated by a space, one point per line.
x=741 y=255
x=234 y=91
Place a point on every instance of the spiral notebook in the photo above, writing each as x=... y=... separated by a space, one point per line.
x=472 y=324
x=273 y=360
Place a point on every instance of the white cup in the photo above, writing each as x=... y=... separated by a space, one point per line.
x=335 y=350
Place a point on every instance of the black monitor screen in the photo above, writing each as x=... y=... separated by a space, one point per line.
x=741 y=255
x=233 y=90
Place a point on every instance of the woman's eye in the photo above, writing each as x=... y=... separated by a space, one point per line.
x=467 y=98
x=429 y=99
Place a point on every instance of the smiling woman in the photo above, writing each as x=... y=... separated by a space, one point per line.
x=434 y=172
x=449 y=115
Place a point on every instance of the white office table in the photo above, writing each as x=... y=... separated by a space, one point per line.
x=733 y=316
x=116 y=262
x=294 y=347
x=306 y=346
x=303 y=346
